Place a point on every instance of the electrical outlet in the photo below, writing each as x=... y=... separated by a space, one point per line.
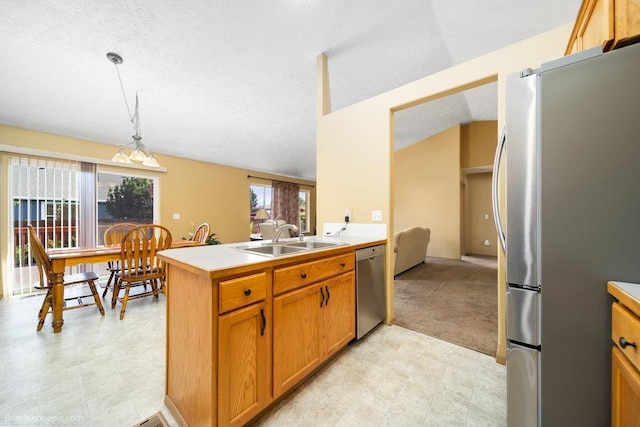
x=347 y=215
x=485 y=243
x=376 y=215
x=176 y=216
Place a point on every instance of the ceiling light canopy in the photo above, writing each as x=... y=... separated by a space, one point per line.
x=139 y=152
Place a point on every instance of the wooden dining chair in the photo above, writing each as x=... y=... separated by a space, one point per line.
x=140 y=265
x=46 y=282
x=112 y=237
x=201 y=233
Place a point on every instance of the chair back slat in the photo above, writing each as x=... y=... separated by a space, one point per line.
x=139 y=249
x=42 y=260
x=114 y=234
x=201 y=233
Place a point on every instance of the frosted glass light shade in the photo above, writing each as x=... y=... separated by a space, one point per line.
x=137 y=155
x=121 y=157
x=151 y=161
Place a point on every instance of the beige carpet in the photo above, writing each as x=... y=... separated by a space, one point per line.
x=452 y=300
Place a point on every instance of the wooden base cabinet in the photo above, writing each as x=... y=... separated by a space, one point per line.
x=625 y=391
x=296 y=337
x=625 y=355
x=243 y=365
x=338 y=314
x=310 y=325
x=239 y=339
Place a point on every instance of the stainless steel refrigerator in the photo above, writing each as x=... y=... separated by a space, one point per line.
x=572 y=222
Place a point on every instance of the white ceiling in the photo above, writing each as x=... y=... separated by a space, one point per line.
x=233 y=81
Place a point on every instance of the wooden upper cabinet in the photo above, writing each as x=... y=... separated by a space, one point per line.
x=604 y=23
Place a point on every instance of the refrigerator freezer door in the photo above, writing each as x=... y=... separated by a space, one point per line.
x=522 y=180
x=522 y=386
x=523 y=316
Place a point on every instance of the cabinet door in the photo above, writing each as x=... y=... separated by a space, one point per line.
x=243 y=364
x=594 y=26
x=296 y=343
x=625 y=391
x=627 y=19
x=338 y=312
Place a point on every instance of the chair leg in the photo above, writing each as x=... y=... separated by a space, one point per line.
x=44 y=302
x=96 y=296
x=44 y=310
x=116 y=291
x=125 y=300
x=106 y=287
x=154 y=287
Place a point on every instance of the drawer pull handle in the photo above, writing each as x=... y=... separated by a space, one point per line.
x=624 y=343
x=303 y=275
x=247 y=292
x=342 y=264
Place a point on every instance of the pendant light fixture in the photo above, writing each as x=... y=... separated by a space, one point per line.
x=139 y=153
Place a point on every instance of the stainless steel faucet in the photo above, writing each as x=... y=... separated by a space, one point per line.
x=286 y=227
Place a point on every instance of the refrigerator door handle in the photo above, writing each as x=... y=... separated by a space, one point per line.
x=494 y=189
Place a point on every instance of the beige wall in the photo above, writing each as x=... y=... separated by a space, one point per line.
x=426 y=184
x=354 y=145
x=198 y=191
x=478 y=143
x=478 y=205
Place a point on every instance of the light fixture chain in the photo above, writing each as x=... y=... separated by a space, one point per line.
x=123 y=93
x=136 y=118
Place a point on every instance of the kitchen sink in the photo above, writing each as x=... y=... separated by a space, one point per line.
x=313 y=244
x=273 y=250
x=286 y=248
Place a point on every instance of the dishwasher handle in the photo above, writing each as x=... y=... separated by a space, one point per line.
x=370 y=252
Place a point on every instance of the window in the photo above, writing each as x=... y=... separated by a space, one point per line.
x=260 y=198
x=44 y=193
x=124 y=198
x=68 y=204
x=304 y=208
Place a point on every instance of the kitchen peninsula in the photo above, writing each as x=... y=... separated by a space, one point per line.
x=245 y=327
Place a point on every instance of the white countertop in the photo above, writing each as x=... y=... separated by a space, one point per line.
x=633 y=289
x=219 y=257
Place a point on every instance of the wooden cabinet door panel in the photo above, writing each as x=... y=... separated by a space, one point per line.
x=338 y=312
x=594 y=26
x=243 y=365
x=625 y=391
x=296 y=344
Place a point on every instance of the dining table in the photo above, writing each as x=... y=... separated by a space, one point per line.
x=66 y=257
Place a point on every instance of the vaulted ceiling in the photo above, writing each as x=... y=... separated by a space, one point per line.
x=234 y=82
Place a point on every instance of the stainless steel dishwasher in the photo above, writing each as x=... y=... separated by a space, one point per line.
x=370 y=290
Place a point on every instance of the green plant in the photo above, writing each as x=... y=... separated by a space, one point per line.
x=22 y=256
x=212 y=240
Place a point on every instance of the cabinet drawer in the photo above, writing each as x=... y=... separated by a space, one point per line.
x=293 y=277
x=626 y=326
x=242 y=291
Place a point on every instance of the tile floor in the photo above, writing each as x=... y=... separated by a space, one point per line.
x=101 y=371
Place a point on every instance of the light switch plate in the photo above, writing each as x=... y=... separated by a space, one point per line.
x=176 y=216
x=376 y=215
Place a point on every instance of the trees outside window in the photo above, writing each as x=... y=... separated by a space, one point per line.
x=131 y=200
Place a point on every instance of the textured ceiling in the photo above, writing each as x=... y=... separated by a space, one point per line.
x=233 y=82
